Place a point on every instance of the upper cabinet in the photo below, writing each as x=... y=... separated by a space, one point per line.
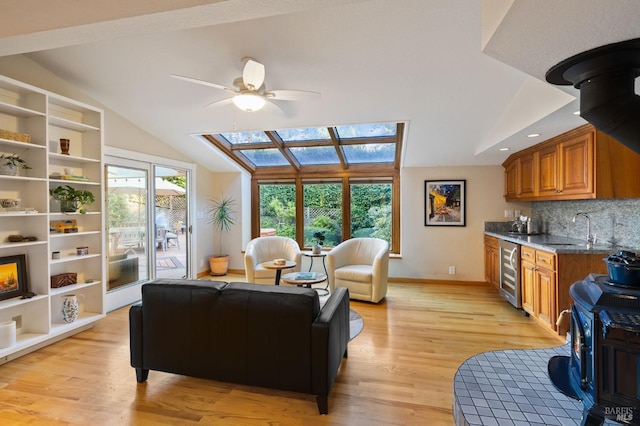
x=581 y=164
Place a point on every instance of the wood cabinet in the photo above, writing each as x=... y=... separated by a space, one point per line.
x=491 y=261
x=538 y=285
x=581 y=164
x=47 y=118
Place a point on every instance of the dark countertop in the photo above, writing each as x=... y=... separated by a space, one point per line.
x=554 y=243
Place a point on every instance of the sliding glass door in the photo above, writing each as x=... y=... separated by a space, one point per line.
x=148 y=226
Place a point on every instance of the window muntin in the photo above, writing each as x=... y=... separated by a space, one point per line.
x=371 y=210
x=278 y=210
x=322 y=212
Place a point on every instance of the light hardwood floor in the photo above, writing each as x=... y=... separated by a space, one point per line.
x=399 y=372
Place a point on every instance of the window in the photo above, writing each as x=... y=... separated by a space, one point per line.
x=343 y=180
x=323 y=212
x=278 y=210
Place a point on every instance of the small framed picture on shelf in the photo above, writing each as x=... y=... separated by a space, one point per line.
x=13 y=276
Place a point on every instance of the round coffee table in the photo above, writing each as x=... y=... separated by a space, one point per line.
x=292 y=279
x=278 y=267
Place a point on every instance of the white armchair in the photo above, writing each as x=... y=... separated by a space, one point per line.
x=361 y=265
x=263 y=249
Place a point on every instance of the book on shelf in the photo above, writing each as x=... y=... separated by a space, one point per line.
x=306 y=276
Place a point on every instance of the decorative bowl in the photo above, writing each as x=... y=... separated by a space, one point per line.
x=9 y=202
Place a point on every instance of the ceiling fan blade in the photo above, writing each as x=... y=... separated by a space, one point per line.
x=219 y=102
x=253 y=74
x=204 y=83
x=292 y=95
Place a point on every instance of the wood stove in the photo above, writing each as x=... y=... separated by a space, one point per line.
x=603 y=369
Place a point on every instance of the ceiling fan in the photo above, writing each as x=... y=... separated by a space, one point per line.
x=249 y=91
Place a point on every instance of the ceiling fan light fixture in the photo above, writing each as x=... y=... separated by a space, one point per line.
x=248 y=102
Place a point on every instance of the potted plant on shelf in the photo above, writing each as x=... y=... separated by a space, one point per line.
x=318 y=240
x=10 y=163
x=71 y=199
x=221 y=215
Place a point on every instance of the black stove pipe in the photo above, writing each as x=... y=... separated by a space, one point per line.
x=605 y=77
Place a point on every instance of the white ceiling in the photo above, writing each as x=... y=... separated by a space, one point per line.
x=467 y=76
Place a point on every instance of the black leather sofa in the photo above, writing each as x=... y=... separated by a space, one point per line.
x=252 y=334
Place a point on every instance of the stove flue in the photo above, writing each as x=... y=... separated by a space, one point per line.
x=606 y=77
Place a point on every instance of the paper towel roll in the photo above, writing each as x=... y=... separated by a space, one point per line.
x=7 y=334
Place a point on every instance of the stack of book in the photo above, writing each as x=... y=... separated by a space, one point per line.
x=306 y=276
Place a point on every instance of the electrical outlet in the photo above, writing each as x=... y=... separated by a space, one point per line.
x=518 y=212
x=508 y=213
x=452 y=270
x=18 y=320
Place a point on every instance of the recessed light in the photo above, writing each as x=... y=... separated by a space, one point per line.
x=576 y=113
x=504 y=149
x=533 y=135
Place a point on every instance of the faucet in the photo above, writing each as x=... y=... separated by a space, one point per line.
x=591 y=239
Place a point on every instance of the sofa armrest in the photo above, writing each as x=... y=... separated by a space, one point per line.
x=135 y=334
x=329 y=339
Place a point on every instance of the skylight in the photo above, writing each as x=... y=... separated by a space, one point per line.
x=332 y=148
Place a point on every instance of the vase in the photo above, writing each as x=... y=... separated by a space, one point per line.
x=70 y=308
x=8 y=169
x=68 y=206
x=64 y=146
x=7 y=334
x=316 y=249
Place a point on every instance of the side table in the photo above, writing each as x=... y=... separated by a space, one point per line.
x=271 y=265
x=322 y=255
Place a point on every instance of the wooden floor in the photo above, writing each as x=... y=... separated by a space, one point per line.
x=399 y=371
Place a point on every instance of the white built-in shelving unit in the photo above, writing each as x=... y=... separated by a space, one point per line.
x=48 y=117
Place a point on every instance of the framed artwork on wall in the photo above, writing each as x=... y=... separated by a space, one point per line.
x=445 y=202
x=13 y=276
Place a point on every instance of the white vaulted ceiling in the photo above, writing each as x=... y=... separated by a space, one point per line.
x=466 y=76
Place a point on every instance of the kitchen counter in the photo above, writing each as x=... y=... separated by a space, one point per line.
x=554 y=243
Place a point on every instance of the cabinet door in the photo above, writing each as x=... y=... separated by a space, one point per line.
x=527 y=287
x=546 y=311
x=548 y=175
x=527 y=178
x=511 y=180
x=577 y=165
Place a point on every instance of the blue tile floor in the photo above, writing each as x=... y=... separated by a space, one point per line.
x=512 y=387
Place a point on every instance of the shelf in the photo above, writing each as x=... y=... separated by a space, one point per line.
x=68 y=181
x=24 y=341
x=74 y=258
x=84 y=318
x=71 y=234
x=17 y=144
x=21 y=214
x=61 y=214
x=17 y=301
x=70 y=124
x=73 y=287
x=22 y=244
x=19 y=111
x=23 y=178
x=72 y=158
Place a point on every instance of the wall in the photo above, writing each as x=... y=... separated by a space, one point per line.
x=615 y=222
x=428 y=251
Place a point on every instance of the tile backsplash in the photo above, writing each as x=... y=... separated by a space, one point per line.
x=614 y=222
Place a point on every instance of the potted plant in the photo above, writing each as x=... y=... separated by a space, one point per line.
x=318 y=240
x=10 y=163
x=72 y=199
x=221 y=215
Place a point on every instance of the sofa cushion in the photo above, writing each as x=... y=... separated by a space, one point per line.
x=257 y=322
x=356 y=273
x=178 y=316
